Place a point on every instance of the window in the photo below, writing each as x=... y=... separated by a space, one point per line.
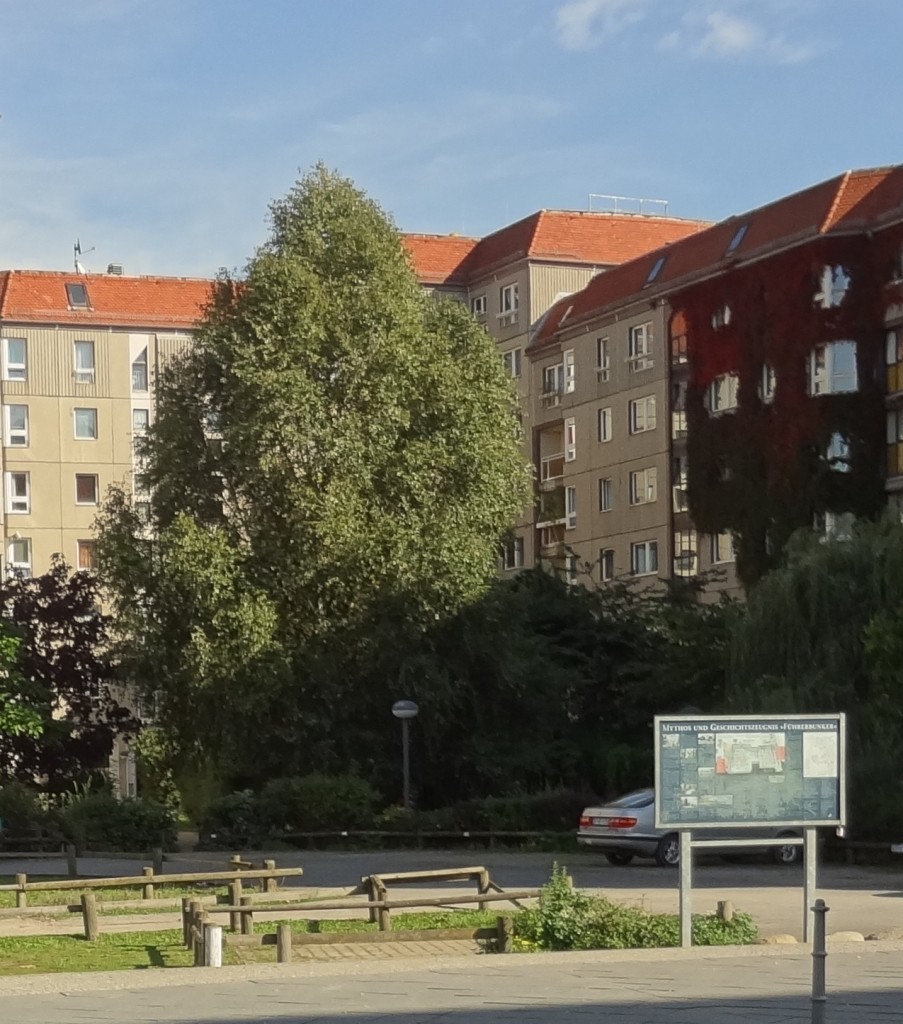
x=737 y=238
x=140 y=420
x=893 y=351
x=511 y=361
x=721 y=547
x=721 y=317
x=570 y=372
x=18 y=556
x=767 y=383
x=513 y=553
x=142 y=512
x=18 y=496
x=679 y=350
x=77 y=296
x=639 y=347
x=478 y=305
x=722 y=393
x=570 y=507
x=139 y=372
x=838 y=525
x=837 y=454
x=832 y=368
x=896 y=270
x=607 y=564
x=15 y=359
x=570 y=568
x=834 y=283
x=508 y=304
x=606 y=494
x=570 y=440
x=604 y=424
x=655 y=270
x=679 y=410
x=603 y=359
x=85 y=424
x=85 y=489
x=680 y=497
x=644 y=558
x=641 y=414
x=17 y=426
x=643 y=486
x=685 y=553
x=87 y=554
x=84 y=362
x=552 y=384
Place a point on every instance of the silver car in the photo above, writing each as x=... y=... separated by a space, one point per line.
x=625 y=829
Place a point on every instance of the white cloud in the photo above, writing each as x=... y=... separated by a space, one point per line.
x=583 y=24
x=727 y=35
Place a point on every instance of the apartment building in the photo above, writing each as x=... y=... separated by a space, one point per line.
x=693 y=407
x=78 y=358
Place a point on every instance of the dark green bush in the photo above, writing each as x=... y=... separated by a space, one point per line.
x=569 y=919
x=233 y=822
x=317 y=803
x=555 y=810
x=99 y=821
x=20 y=809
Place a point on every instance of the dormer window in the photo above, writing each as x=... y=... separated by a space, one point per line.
x=656 y=270
x=737 y=238
x=77 y=295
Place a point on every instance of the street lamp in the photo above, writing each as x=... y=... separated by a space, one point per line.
x=405 y=710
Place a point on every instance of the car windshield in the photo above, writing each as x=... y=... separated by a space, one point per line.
x=641 y=798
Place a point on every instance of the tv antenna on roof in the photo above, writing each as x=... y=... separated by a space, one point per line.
x=77 y=251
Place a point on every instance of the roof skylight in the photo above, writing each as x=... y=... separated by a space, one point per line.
x=739 y=235
x=656 y=270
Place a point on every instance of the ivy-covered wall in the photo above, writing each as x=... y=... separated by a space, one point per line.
x=759 y=470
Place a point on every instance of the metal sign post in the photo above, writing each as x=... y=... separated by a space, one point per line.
x=686 y=888
x=810 y=883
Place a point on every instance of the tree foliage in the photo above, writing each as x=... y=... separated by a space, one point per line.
x=332 y=465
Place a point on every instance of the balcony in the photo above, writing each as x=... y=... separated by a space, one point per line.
x=551 y=540
x=551 y=470
x=551 y=397
x=895 y=459
x=551 y=511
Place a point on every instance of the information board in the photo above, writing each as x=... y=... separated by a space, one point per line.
x=749 y=771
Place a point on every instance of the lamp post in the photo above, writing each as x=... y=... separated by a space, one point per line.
x=405 y=710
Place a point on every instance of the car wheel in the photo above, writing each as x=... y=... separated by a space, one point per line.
x=619 y=858
x=667 y=854
x=787 y=854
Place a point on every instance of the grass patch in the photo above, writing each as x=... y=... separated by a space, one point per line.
x=398 y=922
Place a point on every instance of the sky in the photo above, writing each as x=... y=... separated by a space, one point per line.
x=157 y=132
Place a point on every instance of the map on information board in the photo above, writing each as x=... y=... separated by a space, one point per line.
x=722 y=771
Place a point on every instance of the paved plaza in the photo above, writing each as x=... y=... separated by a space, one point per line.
x=757 y=984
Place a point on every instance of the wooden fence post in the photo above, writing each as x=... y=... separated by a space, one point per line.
x=283 y=943
x=370 y=885
x=213 y=945
x=186 y=921
x=504 y=926
x=235 y=900
x=200 y=945
x=147 y=890
x=235 y=862
x=157 y=856
x=269 y=884
x=194 y=921
x=247 y=916
x=21 y=893
x=89 y=916
x=483 y=887
x=71 y=861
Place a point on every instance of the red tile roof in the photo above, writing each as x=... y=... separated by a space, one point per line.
x=841 y=203
x=38 y=296
x=437 y=259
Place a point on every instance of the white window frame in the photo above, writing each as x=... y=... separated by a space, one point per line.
x=508 y=304
x=768 y=383
x=686 y=553
x=511 y=362
x=21 y=567
x=142 y=428
x=75 y=433
x=824 y=377
x=639 y=347
x=894 y=426
x=835 y=283
x=721 y=548
x=679 y=489
x=570 y=439
x=513 y=553
x=15 y=369
x=18 y=437
x=722 y=394
x=643 y=489
x=645 y=551
x=837 y=453
x=17 y=504
x=570 y=371
x=604 y=425
x=81 y=545
x=478 y=305
x=606 y=494
x=607 y=564
x=641 y=415
x=88 y=476
x=603 y=359
x=721 y=317
x=552 y=384
x=140 y=361
x=570 y=507
x=84 y=374
x=893 y=347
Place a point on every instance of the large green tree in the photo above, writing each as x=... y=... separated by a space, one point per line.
x=331 y=466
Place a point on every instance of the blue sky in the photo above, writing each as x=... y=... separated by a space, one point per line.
x=158 y=131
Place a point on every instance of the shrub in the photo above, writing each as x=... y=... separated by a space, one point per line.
x=100 y=821
x=568 y=919
x=20 y=809
x=315 y=803
x=233 y=821
x=554 y=810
